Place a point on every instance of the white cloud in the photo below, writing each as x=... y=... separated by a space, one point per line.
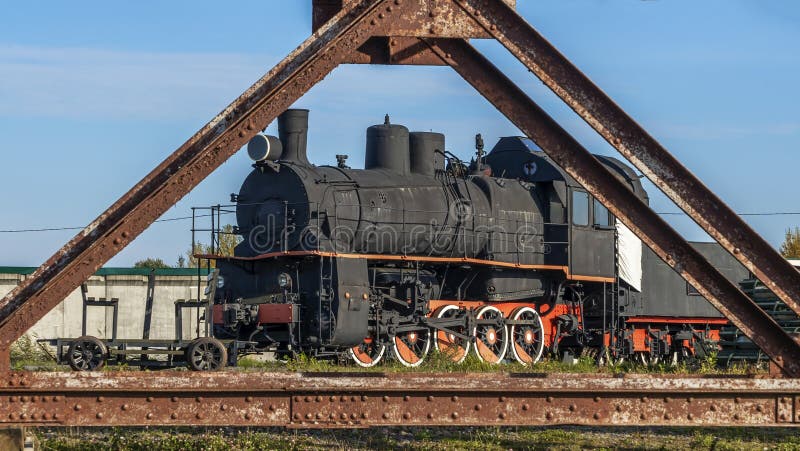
x=86 y=83
x=111 y=84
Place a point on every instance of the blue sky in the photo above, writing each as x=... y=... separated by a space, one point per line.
x=94 y=94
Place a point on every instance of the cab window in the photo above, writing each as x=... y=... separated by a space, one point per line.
x=601 y=216
x=580 y=208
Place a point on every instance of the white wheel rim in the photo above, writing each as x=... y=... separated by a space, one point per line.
x=539 y=348
x=363 y=364
x=478 y=343
x=441 y=313
x=404 y=361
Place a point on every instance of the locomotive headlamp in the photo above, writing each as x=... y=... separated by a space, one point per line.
x=220 y=281
x=284 y=280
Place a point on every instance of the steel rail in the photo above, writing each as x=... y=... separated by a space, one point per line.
x=232 y=398
x=187 y=166
x=579 y=163
x=635 y=144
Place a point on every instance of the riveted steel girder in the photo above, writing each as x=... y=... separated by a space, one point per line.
x=635 y=144
x=621 y=201
x=250 y=399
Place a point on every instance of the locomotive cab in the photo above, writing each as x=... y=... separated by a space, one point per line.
x=580 y=228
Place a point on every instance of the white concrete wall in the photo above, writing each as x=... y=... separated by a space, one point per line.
x=64 y=321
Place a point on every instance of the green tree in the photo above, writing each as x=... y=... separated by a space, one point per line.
x=227 y=242
x=791 y=244
x=151 y=263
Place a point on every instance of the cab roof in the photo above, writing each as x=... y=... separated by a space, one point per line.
x=519 y=157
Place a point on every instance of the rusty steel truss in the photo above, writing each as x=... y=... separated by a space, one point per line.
x=400 y=32
x=250 y=399
x=428 y=32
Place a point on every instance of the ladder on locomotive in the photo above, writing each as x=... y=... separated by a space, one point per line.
x=326 y=295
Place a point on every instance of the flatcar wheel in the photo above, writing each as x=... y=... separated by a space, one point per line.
x=456 y=348
x=491 y=341
x=368 y=353
x=527 y=338
x=87 y=353
x=411 y=347
x=206 y=354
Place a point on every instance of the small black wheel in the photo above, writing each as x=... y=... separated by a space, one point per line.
x=206 y=354
x=87 y=353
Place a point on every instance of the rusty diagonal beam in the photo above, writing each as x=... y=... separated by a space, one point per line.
x=186 y=167
x=641 y=149
x=621 y=201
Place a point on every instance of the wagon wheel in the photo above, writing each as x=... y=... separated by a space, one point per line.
x=206 y=354
x=491 y=340
x=367 y=354
x=411 y=347
x=456 y=348
x=527 y=339
x=87 y=353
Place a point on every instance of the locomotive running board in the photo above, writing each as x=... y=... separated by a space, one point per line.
x=416 y=258
x=342 y=39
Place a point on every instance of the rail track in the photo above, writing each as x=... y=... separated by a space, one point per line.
x=346 y=400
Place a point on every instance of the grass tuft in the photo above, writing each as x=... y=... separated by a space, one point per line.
x=27 y=353
x=438 y=362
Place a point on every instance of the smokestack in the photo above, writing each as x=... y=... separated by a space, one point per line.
x=293 y=133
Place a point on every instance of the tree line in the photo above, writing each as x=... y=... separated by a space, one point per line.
x=227 y=242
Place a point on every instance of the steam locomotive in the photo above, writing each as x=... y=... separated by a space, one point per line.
x=506 y=256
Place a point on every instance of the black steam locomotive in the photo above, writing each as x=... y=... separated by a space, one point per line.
x=505 y=255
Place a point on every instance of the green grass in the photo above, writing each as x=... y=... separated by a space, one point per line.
x=27 y=353
x=439 y=362
x=453 y=438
